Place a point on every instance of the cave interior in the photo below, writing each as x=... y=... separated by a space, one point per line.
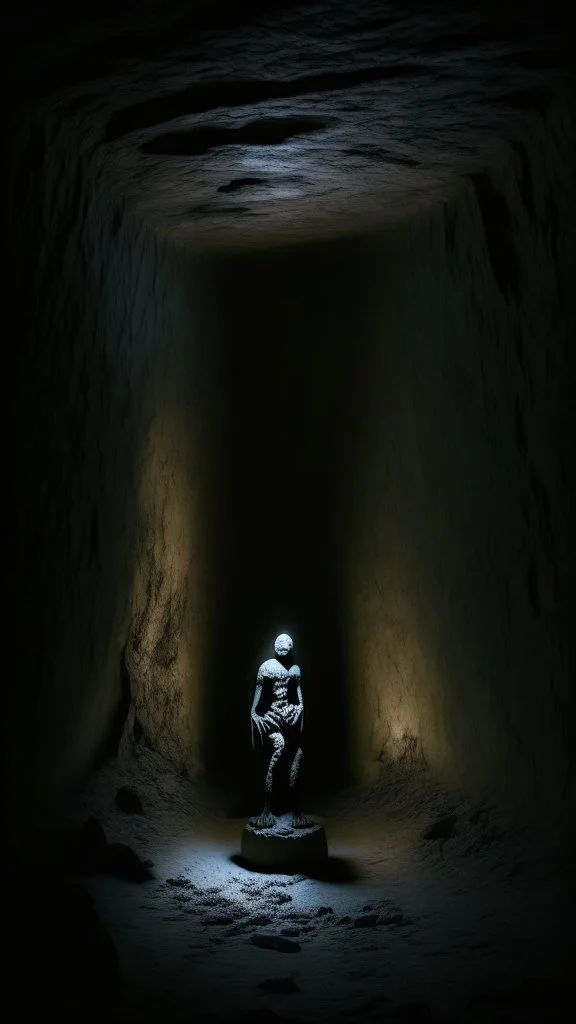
x=291 y=286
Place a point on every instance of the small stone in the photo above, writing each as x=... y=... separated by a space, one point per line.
x=278 y=942
x=322 y=911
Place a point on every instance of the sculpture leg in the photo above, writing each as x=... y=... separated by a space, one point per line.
x=299 y=820
x=266 y=819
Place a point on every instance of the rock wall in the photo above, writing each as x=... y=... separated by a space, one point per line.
x=413 y=388
x=460 y=588
x=111 y=426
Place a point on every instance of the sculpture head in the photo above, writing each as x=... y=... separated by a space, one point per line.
x=283 y=645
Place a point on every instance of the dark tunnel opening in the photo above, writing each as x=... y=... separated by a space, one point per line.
x=291 y=403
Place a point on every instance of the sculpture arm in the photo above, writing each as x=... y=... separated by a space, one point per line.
x=253 y=715
x=300 y=708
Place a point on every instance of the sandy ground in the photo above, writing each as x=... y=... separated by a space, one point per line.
x=473 y=927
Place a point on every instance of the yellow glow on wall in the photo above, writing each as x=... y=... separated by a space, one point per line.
x=396 y=692
x=166 y=648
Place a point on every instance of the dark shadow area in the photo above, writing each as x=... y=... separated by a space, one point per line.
x=291 y=361
x=200 y=98
x=87 y=851
x=499 y=231
x=537 y=99
x=62 y=964
x=379 y=154
x=333 y=869
x=236 y=184
x=266 y=131
x=111 y=742
x=215 y=209
x=101 y=57
x=530 y=1002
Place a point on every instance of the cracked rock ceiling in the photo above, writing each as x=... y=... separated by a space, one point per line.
x=230 y=125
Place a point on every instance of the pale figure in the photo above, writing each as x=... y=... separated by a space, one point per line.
x=278 y=717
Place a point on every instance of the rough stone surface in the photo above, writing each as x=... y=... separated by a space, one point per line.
x=461 y=579
x=112 y=441
x=232 y=124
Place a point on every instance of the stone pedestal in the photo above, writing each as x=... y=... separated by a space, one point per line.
x=284 y=846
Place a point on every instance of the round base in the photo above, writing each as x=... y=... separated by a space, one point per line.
x=284 y=846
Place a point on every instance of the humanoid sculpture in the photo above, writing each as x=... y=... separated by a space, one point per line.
x=278 y=717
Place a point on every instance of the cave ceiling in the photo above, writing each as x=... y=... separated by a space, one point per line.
x=230 y=124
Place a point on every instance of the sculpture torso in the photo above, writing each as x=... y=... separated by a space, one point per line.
x=284 y=684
